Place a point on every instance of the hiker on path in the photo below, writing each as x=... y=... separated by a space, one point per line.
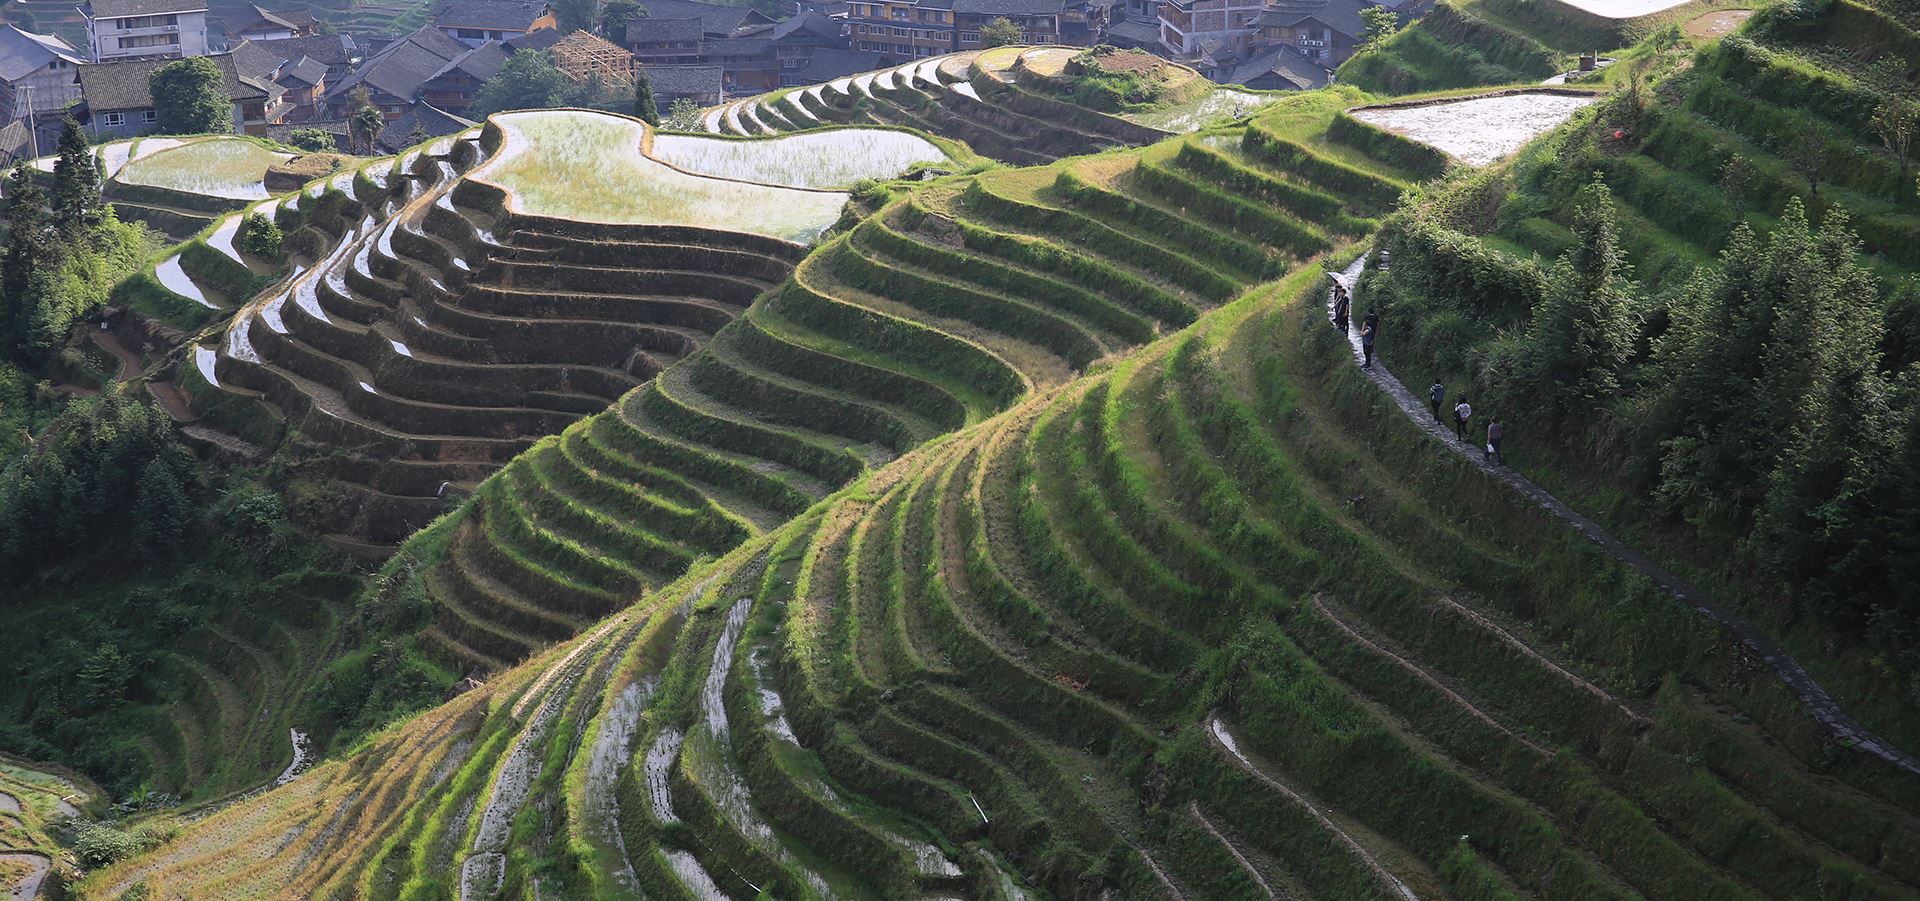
x=1342 y=305
x=1461 y=413
x=1435 y=396
x=1495 y=431
x=1368 y=328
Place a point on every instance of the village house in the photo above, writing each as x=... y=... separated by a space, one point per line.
x=116 y=102
x=476 y=22
x=36 y=72
x=426 y=66
x=274 y=25
x=139 y=29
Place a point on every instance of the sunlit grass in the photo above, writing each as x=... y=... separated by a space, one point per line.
x=826 y=159
x=232 y=168
x=589 y=166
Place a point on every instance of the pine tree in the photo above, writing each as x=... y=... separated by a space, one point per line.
x=643 y=105
x=1583 y=330
x=160 y=507
x=28 y=248
x=76 y=179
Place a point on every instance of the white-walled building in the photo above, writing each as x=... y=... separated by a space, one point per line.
x=137 y=29
x=39 y=66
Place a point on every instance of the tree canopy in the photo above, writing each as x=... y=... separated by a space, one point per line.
x=999 y=33
x=190 y=97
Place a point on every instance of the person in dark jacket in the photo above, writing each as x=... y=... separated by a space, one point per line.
x=1342 y=305
x=1436 y=395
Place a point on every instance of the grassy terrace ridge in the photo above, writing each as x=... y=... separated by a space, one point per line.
x=1129 y=634
x=931 y=308
x=1013 y=104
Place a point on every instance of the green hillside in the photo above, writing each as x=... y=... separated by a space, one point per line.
x=944 y=483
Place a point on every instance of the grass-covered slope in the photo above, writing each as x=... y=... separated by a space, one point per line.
x=934 y=308
x=1214 y=621
x=1023 y=106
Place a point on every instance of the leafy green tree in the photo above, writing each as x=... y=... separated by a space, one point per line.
x=190 y=97
x=1894 y=122
x=103 y=677
x=364 y=124
x=1736 y=179
x=76 y=179
x=683 y=115
x=260 y=237
x=1584 y=327
x=577 y=15
x=527 y=80
x=313 y=140
x=1381 y=24
x=615 y=15
x=643 y=104
x=1000 y=32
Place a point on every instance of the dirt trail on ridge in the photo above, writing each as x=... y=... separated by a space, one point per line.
x=1810 y=694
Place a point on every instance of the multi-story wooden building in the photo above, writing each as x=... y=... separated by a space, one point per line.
x=143 y=29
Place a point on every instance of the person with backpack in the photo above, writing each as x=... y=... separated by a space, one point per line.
x=1435 y=396
x=1495 y=431
x=1462 y=411
x=1342 y=304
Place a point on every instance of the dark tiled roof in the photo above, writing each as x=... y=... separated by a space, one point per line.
x=829 y=64
x=273 y=20
x=1342 y=16
x=1284 y=63
x=685 y=79
x=254 y=61
x=502 y=15
x=1007 y=7
x=541 y=39
x=655 y=31
x=807 y=23
x=736 y=47
x=123 y=85
x=403 y=66
x=114 y=9
x=305 y=70
x=1139 y=32
x=716 y=19
x=430 y=120
x=331 y=49
x=16 y=139
x=482 y=62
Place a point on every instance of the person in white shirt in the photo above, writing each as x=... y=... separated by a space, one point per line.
x=1462 y=411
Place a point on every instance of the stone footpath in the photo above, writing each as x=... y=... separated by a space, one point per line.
x=1815 y=699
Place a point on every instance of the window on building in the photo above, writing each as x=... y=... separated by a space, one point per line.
x=115 y=120
x=901 y=32
x=149 y=40
x=148 y=21
x=149 y=116
x=969 y=37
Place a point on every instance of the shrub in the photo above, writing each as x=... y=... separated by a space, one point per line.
x=312 y=140
x=260 y=237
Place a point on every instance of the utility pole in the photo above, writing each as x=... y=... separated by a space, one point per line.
x=33 y=128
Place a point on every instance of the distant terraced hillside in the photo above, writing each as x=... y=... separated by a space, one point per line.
x=1213 y=622
x=1013 y=104
x=942 y=306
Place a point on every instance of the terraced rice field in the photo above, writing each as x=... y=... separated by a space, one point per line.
x=1129 y=633
x=833 y=158
x=590 y=167
x=225 y=168
x=1479 y=130
x=996 y=101
x=1029 y=536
